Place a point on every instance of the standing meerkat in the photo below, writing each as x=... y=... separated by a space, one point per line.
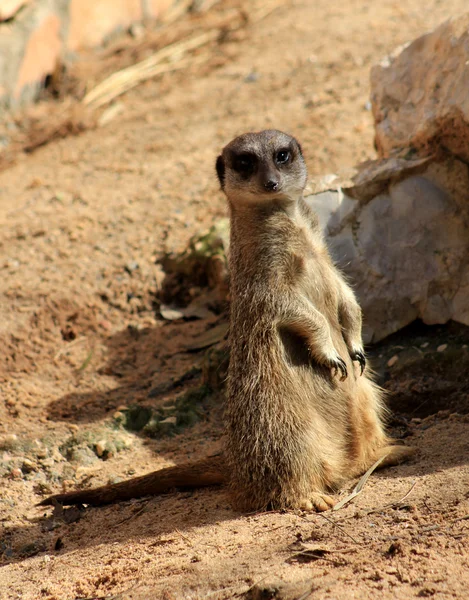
x=302 y=415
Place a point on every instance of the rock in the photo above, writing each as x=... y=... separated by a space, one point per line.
x=405 y=242
x=39 y=35
x=16 y=473
x=41 y=55
x=29 y=466
x=9 y=8
x=419 y=93
x=9 y=441
x=100 y=448
x=400 y=233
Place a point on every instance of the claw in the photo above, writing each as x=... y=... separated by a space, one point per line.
x=339 y=365
x=359 y=356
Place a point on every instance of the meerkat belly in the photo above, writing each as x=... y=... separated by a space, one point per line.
x=318 y=285
x=287 y=430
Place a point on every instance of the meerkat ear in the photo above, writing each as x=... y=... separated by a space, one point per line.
x=300 y=149
x=220 y=167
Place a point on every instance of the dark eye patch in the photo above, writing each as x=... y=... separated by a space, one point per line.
x=245 y=163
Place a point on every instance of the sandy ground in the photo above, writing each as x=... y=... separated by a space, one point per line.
x=82 y=222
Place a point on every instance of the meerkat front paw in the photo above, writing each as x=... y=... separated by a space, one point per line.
x=337 y=364
x=318 y=502
x=358 y=355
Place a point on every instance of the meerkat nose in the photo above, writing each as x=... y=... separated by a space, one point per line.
x=271 y=185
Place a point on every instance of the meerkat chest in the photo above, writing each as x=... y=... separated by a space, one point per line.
x=318 y=281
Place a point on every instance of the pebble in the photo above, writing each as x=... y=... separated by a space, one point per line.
x=8 y=441
x=442 y=348
x=100 y=447
x=16 y=473
x=393 y=360
x=425 y=345
x=131 y=266
x=28 y=466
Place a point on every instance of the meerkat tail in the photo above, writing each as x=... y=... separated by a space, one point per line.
x=202 y=473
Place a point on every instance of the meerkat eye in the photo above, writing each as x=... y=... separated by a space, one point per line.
x=282 y=157
x=244 y=163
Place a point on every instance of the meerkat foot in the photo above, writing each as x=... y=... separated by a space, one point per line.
x=317 y=502
x=358 y=355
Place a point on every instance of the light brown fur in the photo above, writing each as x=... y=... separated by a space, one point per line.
x=301 y=418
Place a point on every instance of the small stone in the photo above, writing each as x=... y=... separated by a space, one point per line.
x=16 y=473
x=28 y=466
x=131 y=266
x=107 y=325
x=137 y=30
x=425 y=345
x=9 y=8
x=252 y=77
x=9 y=441
x=392 y=361
x=101 y=448
x=68 y=484
x=442 y=348
x=169 y=421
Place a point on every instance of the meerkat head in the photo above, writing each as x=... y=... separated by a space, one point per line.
x=256 y=168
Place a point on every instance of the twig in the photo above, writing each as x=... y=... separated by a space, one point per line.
x=68 y=346
x=305 y=595
x=465 y=518
x=184 y=537
x=255 y=583
x=125 y=79
x=360 y=485
x=86 y=362
x=339 y=528
x=132 y=516
x=265 y=11
x=390 y=505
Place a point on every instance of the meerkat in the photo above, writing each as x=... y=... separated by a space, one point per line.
x=302 y=415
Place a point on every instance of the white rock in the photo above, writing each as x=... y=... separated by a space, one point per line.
x=400 y=229
x=406 y=252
